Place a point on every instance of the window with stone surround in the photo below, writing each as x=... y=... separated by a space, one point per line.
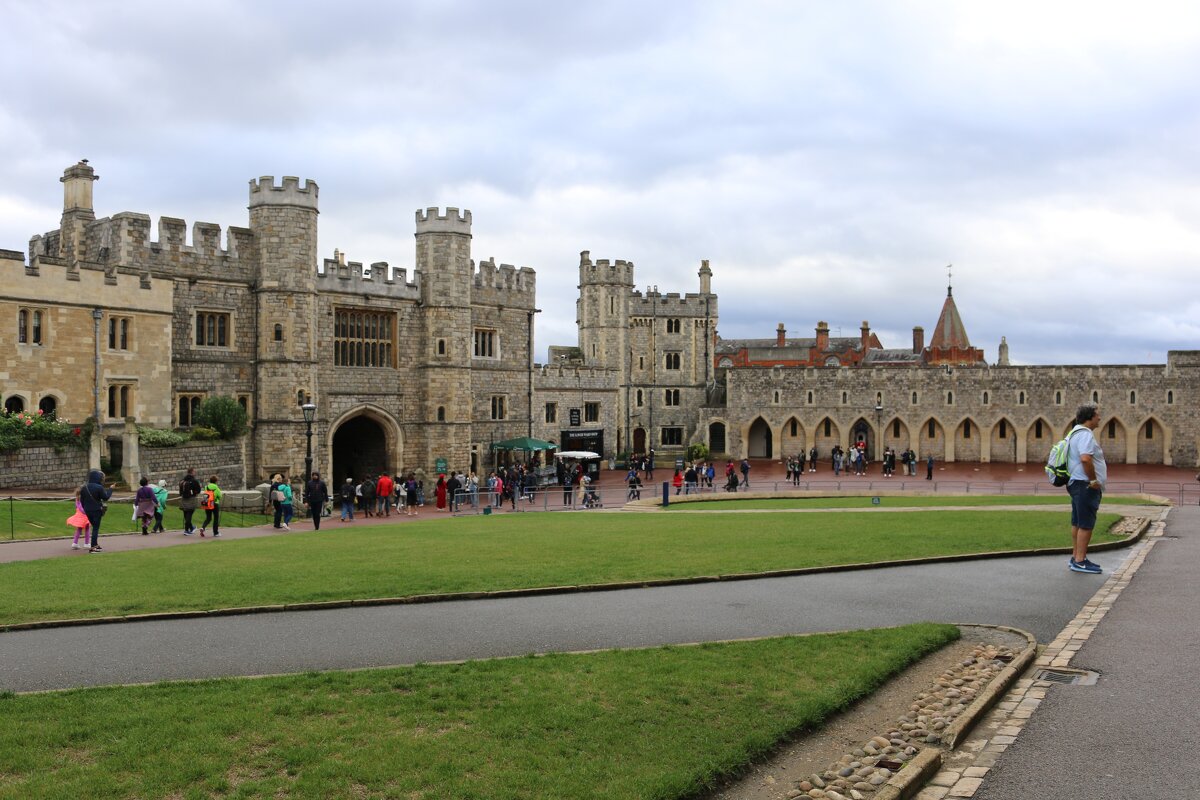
x=639 y=401
x=120 y=400
x=672 y=361
x=670 y=397
x=591 y=412
x=120 y=331
x=551 y=412
x=15 y=404
x=674 y=325
x=213 y=329
x=186 y=406
x=48 y=405
x=31 y=326
x=499 y=407
x=672 y=436
x=363 y=338
x=487 y=343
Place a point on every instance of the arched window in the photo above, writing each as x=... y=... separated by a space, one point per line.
x=985 y=398
x=828 y=427
x=932 y=429
x=1170 y=397
x=1095 y=397
x=845 y=397
x=48 y=406
x=1003 y=429
x=966 y=429
x=441 y=347
x=1058 y=398
x=278 y=332
x=914 y=400
x=1149 y=429
x=1112 y=429
x=777 y=396
x=879 y=398
x=1037 y=429
x=14 y=404
x=441 y=414
x=1021 y=399
x=795 y=428
x=810 y=397
x=949 y=398
x=895 y=429
x=22 y=327
x=1133 y=399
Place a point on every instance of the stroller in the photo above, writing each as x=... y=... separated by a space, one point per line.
x=591 y=498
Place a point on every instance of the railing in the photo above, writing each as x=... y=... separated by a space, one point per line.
x=46 y=517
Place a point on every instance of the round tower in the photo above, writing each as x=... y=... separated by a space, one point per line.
x=602 y=310
x=283 y=220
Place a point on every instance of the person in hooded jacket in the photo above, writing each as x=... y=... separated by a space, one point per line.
x=92 y=497
x=316 y=494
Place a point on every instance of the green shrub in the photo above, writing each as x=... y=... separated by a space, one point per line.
x=153 y=437
x=697 y=451
x=224 y=415
x=24 y=427
x=202 y=434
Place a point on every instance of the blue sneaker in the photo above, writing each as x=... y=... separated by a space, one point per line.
x=1085 y=566
x=1088 y=562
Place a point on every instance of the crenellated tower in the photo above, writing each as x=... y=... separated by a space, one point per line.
x=283 y=221
x=602 y=310
x=445 y=274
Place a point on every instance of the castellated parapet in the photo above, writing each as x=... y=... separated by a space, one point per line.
x=453 y=221
x=377 y=279
x=504 y=285
x=672 y=304
x=604 y=272
x=264 y=192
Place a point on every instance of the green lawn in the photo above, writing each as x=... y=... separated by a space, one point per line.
x=659 y=723
x=40 y=519
x=500 y=552
x=731 y=503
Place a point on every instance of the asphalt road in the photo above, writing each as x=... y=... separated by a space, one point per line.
x=1132 y=734
x=1038 y=594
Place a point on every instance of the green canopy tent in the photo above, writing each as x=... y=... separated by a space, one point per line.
x=526 y=443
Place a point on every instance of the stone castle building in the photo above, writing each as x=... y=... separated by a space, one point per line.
x=109 y=318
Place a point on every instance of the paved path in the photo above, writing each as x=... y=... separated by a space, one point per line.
x=1132 y=734
x=1037 y=594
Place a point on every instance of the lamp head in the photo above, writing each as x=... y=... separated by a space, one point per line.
x=310 y=412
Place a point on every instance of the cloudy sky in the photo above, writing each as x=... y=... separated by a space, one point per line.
x=829 y=159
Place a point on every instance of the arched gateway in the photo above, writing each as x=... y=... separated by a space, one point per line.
x=364 y=443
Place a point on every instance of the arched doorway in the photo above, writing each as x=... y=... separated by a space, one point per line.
x=792 y=439
x=359 y=450
x=639 y=440
x=716 y=437
x=760 y=444
x=862 y=432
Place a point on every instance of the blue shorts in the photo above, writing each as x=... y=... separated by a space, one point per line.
x=1085 y=503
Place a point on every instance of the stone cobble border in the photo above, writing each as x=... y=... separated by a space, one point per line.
x=1135 y=530
x=965 y=769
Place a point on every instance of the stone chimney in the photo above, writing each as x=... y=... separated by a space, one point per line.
x=77 y=183
x=822 y=337
x=1003 y=360
x=780 y=336
x=918 y=339
x=866 y=336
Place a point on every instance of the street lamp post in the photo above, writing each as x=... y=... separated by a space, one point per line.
x=879 y=431
x=310 y=413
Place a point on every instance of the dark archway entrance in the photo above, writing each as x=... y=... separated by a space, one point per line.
x=760 y=439
x=716 y=437
x=359 y=451
x=639 y=440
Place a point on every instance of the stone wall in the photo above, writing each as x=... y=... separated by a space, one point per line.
x=42 y=467
x=223 y=459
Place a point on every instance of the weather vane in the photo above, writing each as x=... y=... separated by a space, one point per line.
x=949 y=283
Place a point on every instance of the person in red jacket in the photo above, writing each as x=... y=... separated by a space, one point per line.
x=384 y=488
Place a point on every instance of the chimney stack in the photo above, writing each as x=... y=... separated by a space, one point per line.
x=780 y=336
x=918 y=339
x=822 y=337
x=866 y=335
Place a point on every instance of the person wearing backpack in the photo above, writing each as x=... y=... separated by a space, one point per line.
x=1087 y=475
x=189 y=499
x=210 y=501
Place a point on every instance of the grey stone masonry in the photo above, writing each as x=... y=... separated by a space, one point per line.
x=43 y=467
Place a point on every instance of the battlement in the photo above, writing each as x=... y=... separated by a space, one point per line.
x=264 y=192
x=431 y=221
x=603 y=271
x=503 y=284
x=672 y=304
x=377 y=279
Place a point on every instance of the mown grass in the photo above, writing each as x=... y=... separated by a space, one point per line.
x=500 y=552
x=41 y=519
x=659 y=723
x=733 y=503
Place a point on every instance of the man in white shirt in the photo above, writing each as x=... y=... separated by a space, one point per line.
x=1088 y=474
